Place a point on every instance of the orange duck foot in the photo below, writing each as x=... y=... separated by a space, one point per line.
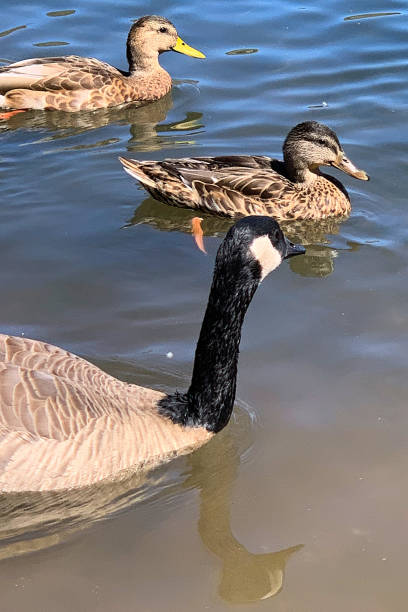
x=197 y=232
x=10 y=114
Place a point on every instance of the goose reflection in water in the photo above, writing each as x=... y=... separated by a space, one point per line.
x=146 y=127
x=314 y=235
x=32 y=522
x=245 y=576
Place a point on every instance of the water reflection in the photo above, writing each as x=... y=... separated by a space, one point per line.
x=245 y=577
x=70 y=124
x=314 y=235
x=319 y=259
x=145 y=137
x=146 y=127
x=36 y=521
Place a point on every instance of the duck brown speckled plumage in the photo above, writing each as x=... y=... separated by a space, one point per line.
x=64 y=423
x=257 y=185
x=75 y=83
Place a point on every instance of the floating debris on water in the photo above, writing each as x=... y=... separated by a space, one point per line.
x=60 y=13
x=369 y=15
x=51 y=43
x=11 y=30
x=321 y=105
x=169 y=355
x=241 y=51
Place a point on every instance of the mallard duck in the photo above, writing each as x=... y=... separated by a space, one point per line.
x=74 y=83
x=64 y=423
x=237 y=185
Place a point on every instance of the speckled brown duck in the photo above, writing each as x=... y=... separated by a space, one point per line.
x=64 y=423
x=75 y=83
x=239 y=185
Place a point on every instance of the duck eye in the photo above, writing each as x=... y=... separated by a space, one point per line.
x=163 y=30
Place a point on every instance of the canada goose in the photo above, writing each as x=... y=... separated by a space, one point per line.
x=74 y=83
x=64 y=423
x=238 y=185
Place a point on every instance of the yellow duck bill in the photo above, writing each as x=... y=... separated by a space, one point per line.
x=182 y=47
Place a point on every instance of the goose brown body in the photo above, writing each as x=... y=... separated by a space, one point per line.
x=241 y=185
x=74 y=83
x=64 y=423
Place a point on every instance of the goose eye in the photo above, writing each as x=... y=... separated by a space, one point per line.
x=163 y=30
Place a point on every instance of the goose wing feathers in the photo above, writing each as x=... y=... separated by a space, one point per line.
x=65 y=423
x=46 y=392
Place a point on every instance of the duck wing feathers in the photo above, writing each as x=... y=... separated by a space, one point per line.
x=250 y=187
x=249 y=183
x=55 y=73
x=221 y=162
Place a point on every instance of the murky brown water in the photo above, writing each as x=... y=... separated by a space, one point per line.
x=299 y=505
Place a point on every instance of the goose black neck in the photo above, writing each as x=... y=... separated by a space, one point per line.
x=209 y=401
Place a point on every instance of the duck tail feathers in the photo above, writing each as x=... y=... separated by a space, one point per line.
x=135 y=169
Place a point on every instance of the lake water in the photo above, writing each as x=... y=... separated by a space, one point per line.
x=300 y=503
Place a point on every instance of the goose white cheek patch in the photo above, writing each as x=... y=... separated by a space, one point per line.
x=266 y=254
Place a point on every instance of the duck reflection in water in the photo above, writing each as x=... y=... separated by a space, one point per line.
x=313 y=235
x=147 y=132
x=32 y=522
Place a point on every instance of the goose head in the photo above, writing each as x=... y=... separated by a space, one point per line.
x=259 y=243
